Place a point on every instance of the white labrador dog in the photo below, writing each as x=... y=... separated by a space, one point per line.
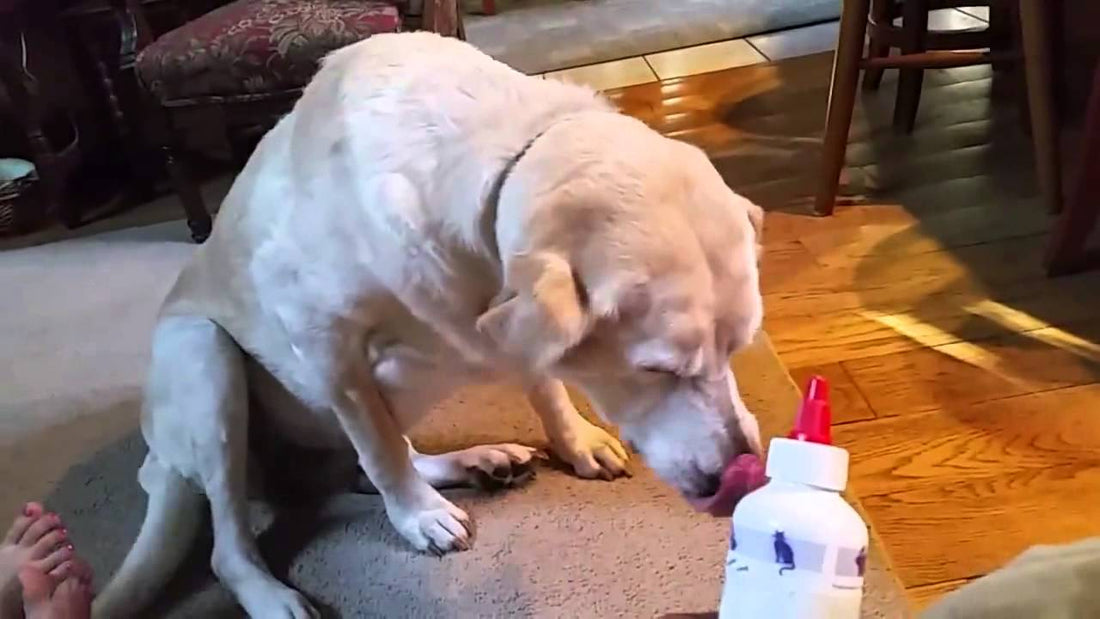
x=427 y=217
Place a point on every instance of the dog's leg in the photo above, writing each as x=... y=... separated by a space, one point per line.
x=416 y=509
x=197 y=424
x=173 y=516
x=590 y=450
x=490 y=467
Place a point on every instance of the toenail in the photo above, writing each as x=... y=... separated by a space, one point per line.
x=64 y=533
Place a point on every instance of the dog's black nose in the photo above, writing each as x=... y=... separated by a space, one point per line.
x=709 y=484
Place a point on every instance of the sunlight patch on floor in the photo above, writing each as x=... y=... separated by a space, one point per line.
x=973 y=353
x=1021 y=322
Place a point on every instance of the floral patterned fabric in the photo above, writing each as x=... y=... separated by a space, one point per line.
x=250 y=47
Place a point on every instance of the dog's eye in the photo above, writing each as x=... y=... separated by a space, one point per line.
x=657 y=371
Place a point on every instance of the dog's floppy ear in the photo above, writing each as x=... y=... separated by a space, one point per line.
x=542 y=314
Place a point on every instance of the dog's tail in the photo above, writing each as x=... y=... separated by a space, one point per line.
x=172 y=521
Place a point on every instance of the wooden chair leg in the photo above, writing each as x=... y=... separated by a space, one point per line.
x=1038 y=67
x=183 y=182
x=1066 y=251
x=914 y=23
x=842 y=100
x=198 y=219
x=881 y=13
x=19 y=91
x=122 y=96
x=1001 y=19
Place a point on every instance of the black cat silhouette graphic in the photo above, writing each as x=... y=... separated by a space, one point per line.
x=784 y=554
x=861 y=561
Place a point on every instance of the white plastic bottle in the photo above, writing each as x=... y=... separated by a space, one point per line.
x=797 y=549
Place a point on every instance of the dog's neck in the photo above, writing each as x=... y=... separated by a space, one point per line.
x=492 y=208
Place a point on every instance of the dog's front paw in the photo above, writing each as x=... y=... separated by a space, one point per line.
x=268 y=598
x=493 y=467
x=592 y=452
x=439 y=527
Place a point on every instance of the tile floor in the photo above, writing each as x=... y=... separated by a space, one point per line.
x=737 y=52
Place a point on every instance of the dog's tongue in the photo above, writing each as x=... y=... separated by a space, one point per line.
x=743 y=475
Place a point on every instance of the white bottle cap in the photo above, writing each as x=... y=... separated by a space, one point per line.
x=804 y=462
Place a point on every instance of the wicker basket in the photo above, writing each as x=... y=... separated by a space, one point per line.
x=20 y=205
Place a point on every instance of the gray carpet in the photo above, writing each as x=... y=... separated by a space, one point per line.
x=536 y=36
x=77 y=317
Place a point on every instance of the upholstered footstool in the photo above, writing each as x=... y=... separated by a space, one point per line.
x=252 y=58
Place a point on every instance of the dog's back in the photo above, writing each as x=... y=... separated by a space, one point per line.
x=396 y=142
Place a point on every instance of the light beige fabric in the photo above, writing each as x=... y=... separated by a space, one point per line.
x=1046 y=582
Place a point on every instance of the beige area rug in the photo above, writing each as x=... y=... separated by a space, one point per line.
x=77 y=320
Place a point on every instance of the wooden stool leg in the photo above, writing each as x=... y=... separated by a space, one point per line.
x=1038 y=67
x=1067 y=243
x=914 y=23
x=842 y=100
x=881 y=13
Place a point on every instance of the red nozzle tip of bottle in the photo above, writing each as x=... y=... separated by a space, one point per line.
x=817 y=389
x=814 y=422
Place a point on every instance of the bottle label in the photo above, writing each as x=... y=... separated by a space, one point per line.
x=775 y=555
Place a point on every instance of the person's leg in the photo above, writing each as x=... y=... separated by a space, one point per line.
x=36 y=540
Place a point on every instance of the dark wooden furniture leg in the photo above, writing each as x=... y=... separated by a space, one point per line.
x=1002 y=17
x=914 y=22
x=443 y=17
x=842 y=100
x=53 y=166
x=183 y=182
x=1038 y=68
x=1066 y=251
x=881 y=13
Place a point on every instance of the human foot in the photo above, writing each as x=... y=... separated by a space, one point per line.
x=64 y=594
x=36 y=540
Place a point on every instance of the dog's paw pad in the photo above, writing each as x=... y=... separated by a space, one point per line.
x=502 y=477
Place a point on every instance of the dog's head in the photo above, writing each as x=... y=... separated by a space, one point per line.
x=633 y=275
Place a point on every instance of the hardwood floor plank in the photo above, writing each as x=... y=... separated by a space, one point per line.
x=848 y=403
x=906 y=233
x=933 y=321
x=964 y=490
x=782 y=264
x=885 y=275
x=970 y=528
x=1020 y=435
x=936 y=300
x=920 y=598
x=970 y=372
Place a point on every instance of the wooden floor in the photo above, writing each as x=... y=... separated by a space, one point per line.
x=967 y=382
